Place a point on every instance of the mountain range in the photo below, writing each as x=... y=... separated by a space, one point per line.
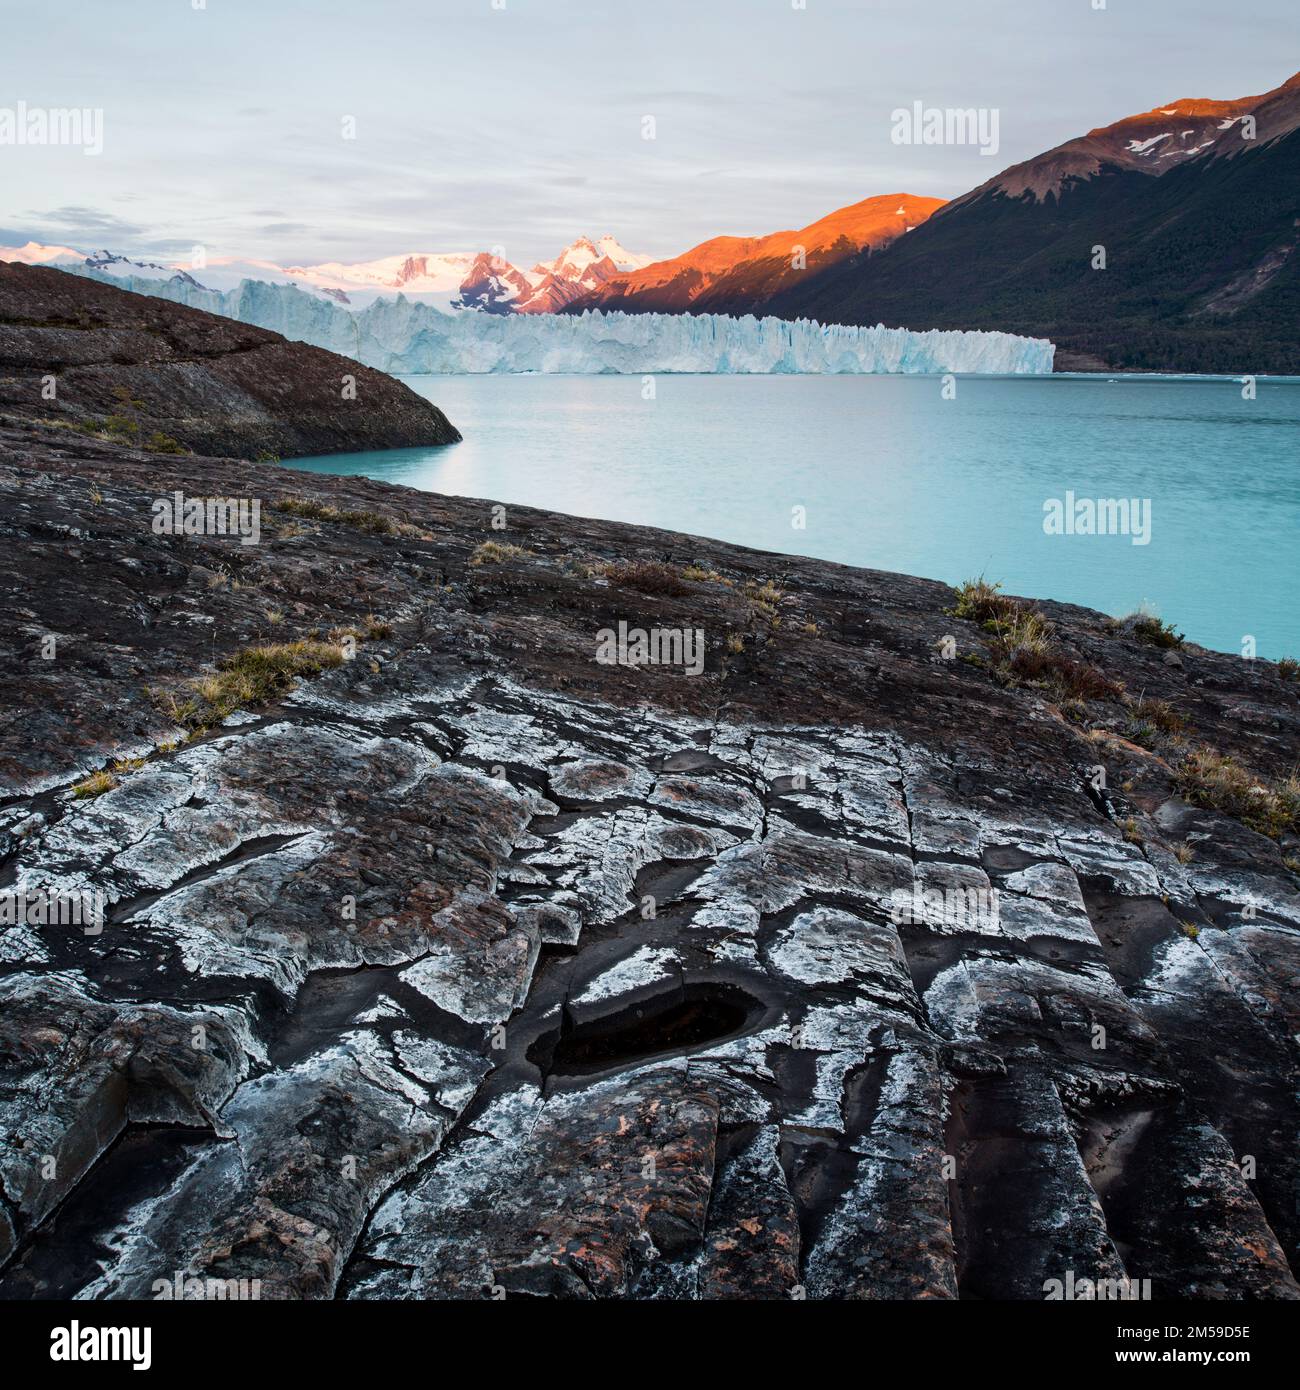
x=451 y=281
x=1163 y=241
x=731 y=274
x=1194 y=205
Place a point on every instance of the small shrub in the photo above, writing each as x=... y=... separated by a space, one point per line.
x=1152 y=631
x=1143 y=734
x=121 y=427
x=1288 y=668
x=1189 y=929
x=1024 y=652
x=647 y=577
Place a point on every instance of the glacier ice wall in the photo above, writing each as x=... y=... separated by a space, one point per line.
x=404 y=336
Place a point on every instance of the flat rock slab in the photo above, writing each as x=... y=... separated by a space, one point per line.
x=474 y=968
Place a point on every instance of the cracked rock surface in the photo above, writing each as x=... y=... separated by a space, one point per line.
x=474 y=968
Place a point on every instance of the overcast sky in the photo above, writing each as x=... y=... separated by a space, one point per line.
x=519 y=123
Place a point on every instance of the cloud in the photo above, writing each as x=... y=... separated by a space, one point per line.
x=75 y=220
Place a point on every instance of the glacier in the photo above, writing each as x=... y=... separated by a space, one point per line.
x=407 y=338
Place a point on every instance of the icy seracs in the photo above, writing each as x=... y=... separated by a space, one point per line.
x=399 y=335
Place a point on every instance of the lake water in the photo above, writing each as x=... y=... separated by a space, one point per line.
x=891 y=475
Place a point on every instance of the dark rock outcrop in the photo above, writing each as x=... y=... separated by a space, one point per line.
x=92 y=356
x=473 y=967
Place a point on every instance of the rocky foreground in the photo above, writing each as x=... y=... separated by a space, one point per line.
x=440 y=960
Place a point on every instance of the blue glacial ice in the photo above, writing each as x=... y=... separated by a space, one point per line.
x=404 y=336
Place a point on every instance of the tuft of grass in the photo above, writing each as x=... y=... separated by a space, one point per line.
x=1161 y=714
x=697 y=574
x=1184 y=853
x=735 y=643
x=1152 y=722
x=978 y=601
x=373 y=522
x=764 y=602
x=647 y=577
x=373 y=630
x=1132 y=831
x=121 y=427
x=1189 y=929
x=575 y=567
x=161 y=443
x=1288 y=668
x=95 y=785
x=248 y=677
x=1218 y=782
x=498 y=552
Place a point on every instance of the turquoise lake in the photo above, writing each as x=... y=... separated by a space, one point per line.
x=892 y=475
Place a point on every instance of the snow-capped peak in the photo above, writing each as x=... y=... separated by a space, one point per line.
x=575 y=259
x=624 y=259
x=33 y=253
